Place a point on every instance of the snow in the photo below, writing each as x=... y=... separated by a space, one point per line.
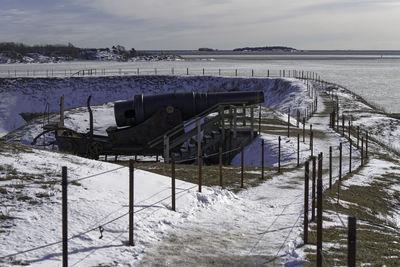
x=31 y=95
x=104 y=197
x=258 y=226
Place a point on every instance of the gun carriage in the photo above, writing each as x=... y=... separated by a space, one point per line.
x=165 y=123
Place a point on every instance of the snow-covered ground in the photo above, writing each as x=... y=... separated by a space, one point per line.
x=32 y=95
x=257 y=226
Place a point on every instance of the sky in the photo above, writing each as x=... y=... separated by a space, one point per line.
x=191 y=24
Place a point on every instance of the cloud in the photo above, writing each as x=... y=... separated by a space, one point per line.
x=173 y=24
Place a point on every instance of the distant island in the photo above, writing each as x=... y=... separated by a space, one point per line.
x=20 y=53
x=266 y=48
x=206 y=49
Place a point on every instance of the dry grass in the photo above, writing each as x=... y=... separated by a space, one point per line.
x=378 y=240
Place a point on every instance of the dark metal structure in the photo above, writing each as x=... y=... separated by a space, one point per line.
x=143 y=123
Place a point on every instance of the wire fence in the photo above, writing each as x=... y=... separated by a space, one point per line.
x=35 y=71
x=98 y=226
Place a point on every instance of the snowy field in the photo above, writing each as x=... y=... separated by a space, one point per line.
x=256 y=226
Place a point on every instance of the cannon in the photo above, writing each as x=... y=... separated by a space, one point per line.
x=143 y=119
x=133 y=112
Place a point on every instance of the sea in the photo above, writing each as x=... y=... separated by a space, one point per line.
x=373 y=75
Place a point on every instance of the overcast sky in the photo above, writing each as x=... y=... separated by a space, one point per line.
x=190 y=24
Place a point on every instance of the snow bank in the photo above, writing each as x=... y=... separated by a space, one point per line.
x=32 y=94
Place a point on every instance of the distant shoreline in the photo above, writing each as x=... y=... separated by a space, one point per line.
x=297 y=52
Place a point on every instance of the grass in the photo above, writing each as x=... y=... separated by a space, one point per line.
x=5 y=217
x=378 y=241
x=231 y=175
x=394 y=115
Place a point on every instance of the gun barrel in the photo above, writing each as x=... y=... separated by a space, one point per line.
x=136 y=111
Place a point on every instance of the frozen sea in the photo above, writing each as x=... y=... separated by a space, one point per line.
x=373 y=76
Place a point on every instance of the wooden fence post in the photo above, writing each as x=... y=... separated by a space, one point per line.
x=200 y=159
x=131 y=202
x=343 y=125
x=306 y=185
x=351 y=242
x=358 y=137
x=288 y=124
x=259 y=121
x=187 y=71
x=298 y=150
x=262 y=159
x=64 y=185
x=337 y=119
x=313 y=189
x=298 y=118
x=242 y=167
x=312 y=143
x=351 y=144
x=362 y=151
x=304 y=129
x=220 y=167
x=330 y=167
x=279 y=154
x=366 y=145
x=173 y=181
x=340 y=161
x=349 y=129
x=319 y=211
